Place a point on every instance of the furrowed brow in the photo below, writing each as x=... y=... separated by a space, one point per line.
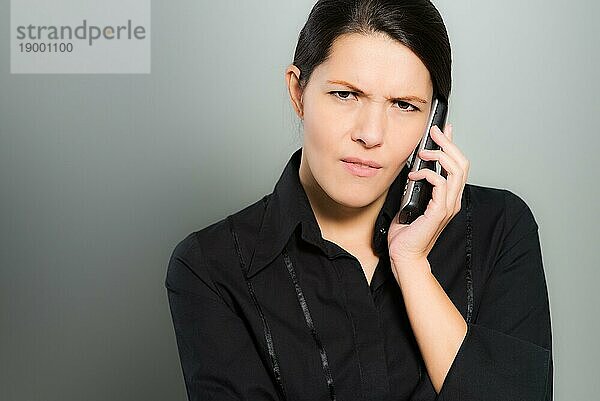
x=359 y=91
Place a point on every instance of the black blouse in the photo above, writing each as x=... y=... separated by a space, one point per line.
x=264 y=308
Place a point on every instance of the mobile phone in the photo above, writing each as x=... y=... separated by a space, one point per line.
x=417 y=194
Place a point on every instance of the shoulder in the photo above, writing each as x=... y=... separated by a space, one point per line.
x=488 y=198
x=212 y=247
x=501 y=208
x=501 y=223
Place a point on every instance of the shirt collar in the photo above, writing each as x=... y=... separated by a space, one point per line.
x=288 y=207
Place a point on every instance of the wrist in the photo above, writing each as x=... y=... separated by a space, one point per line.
x=410 y=264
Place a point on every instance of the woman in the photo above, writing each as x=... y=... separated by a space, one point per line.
x=317 y=292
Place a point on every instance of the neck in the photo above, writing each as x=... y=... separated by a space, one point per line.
x=350 y=226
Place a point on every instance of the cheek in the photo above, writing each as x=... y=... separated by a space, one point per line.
x=411 y=133
x=323 y=126
x=402 y=146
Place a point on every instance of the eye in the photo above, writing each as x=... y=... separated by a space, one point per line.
x=399 y=102
x=343 y=92
x=414 y=108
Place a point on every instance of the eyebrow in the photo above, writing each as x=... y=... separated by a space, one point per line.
x=355 y=89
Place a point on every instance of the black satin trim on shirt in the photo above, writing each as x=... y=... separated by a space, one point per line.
x=266 y=329
x=469 y=255
x=309 y=323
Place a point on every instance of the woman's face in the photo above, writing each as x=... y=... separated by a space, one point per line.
x=383 y=124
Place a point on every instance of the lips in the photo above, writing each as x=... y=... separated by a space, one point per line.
x=362 y=162
x=360 y=167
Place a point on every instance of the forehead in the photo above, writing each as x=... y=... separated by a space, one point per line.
x=375 y=62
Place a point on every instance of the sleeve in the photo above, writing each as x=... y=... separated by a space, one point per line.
x=507 y=351
x=217 y=355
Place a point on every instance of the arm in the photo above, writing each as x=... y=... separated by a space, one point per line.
x=438 y=326
x=217 y=354
x=506 y=353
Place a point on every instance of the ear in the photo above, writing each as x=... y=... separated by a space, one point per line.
x=292 y=80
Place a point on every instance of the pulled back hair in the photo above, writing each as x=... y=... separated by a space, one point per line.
x=416 y=24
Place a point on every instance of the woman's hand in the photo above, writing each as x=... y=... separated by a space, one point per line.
x=411 y=242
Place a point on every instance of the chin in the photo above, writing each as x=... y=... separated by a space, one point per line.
x=352 y=195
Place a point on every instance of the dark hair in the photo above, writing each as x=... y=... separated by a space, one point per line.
x=416 y=24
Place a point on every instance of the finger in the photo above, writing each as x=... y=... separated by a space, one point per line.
x=465 y=165
x=447 y=132
x=450 y=165
x=447 y=145
x=460 y=195
x=438 y=197
x=436 y=211
x=454 y=176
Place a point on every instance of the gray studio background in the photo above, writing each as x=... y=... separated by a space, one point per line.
x=101 y=175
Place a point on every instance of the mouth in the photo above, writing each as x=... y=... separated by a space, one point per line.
x=360 y=169
x=362 y=162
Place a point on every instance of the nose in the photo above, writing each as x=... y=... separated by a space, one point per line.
x=371 y=125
